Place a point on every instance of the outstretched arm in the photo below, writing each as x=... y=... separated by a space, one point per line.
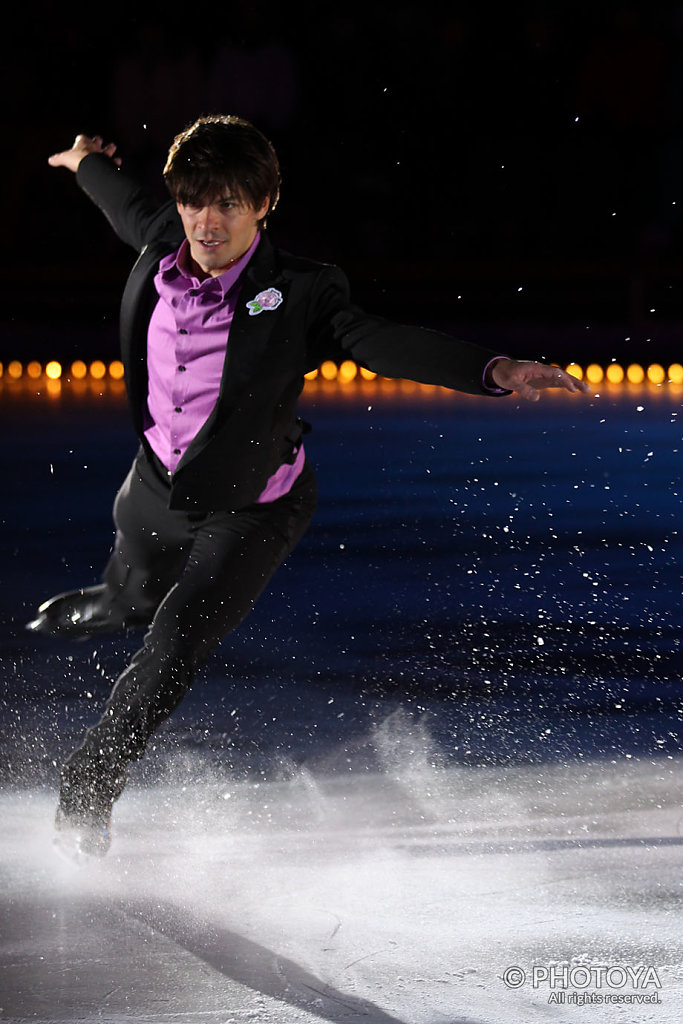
x=136 y=215
x=529 y=378
x=424 y=355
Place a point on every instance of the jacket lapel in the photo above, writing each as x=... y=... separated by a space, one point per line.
x=250 y=333
x=248 y=339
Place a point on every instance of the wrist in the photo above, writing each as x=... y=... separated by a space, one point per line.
x=488 y=380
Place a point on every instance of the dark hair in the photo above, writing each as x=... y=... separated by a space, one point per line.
x=218 y=154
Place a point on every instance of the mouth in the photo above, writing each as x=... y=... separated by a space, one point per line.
x=208 y=243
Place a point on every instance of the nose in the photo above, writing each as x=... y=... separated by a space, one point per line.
x=207 y=219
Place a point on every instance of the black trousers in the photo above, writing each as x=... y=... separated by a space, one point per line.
x=193 y=577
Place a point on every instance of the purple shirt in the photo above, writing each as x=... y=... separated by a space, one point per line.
x=186 y=344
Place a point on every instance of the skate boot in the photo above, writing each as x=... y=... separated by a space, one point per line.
x=90 y=785
x=77 y=613
x=82 y=836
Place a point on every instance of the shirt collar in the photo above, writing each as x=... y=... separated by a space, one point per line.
x=178 y=265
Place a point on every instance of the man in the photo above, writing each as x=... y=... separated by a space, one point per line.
x=218 y=328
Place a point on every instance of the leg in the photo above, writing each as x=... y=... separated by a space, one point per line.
x=149 y=551
x=231 y=560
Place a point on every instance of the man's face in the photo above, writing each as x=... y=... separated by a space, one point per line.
x=220 y=232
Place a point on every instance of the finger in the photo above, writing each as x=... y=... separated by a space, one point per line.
x=562 y=379
x=573 y=384
x=62 y=159
x=553 y=381
x=110 y=151
x=71 y=158
x=527 y=391
x=559 y=379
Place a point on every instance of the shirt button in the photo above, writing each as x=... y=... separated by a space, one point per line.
x=181 y=369
x=178 y=408
x=176 y=451
x=182 y=331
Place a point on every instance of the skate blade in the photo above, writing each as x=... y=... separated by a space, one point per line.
x=70 y=852
x=37 y=624
x=75 y=848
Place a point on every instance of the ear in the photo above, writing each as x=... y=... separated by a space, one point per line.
x=263 y=209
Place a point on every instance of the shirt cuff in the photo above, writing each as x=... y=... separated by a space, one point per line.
x=486 y=387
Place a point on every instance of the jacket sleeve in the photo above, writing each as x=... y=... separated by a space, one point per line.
x=136 y=215
x=342 y=330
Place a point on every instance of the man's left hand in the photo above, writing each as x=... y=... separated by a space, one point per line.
x=529 y=378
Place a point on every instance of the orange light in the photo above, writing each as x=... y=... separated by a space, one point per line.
x=594 y=373
x=347 y=371
x=2 y=369
x=328 y=370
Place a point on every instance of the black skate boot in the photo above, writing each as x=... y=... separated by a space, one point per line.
x=90 y=785
x=81 y=836
x=77 y=614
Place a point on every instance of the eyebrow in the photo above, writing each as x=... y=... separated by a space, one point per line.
x=230 y=197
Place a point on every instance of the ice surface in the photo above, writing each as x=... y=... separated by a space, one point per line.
x=446 y=744
x=338 y=899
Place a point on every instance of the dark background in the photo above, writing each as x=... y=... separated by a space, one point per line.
x=512 y=175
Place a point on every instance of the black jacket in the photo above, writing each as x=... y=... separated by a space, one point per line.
x=254 y=426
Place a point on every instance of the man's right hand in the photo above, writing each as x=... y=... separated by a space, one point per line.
x=83 y=145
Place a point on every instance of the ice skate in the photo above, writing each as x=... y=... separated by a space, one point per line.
x=80 y=837
x=76 y=614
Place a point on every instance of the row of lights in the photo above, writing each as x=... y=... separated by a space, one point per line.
x=344 y=373
x=96 y=370
x=655 y=373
